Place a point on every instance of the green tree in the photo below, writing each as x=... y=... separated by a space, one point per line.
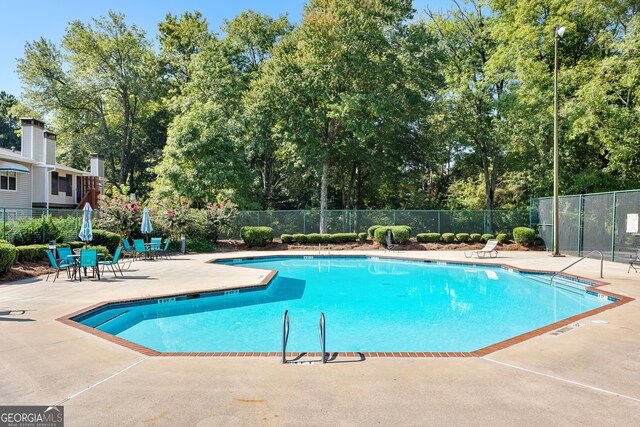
x=100 y=84
x=8 y=122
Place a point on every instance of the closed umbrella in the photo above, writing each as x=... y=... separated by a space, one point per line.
x=146 y=227
x=86 y=234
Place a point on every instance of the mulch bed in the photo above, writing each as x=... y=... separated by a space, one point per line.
x=25 y=270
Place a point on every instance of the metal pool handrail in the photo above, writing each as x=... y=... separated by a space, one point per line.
x=323 y=338
x=577 y=261
x=285 y=335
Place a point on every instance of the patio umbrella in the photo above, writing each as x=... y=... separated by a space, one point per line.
x=86 y=234
x=146 y=227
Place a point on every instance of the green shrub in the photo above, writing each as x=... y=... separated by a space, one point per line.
x=486 y=237
x=502 y=238
x=428 y=237
x=75 y=245
x=197 y=245
x=256 y=236
x=286 y=238
x=462 y=237
x=314 y=238
x=343 y=237
x=448 y=237
x=32 y=253
x=34 y=231
x=524 y=235
x=107 y=239
x=362 y=237
x=371 y=230
x=409 y=229
x=475 y=238
x=8 y=255
x=400 y=234
x=300 y=238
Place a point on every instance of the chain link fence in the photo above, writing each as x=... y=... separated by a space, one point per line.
x=606 y=222
x=32 y=226
x=355 y=221
x=28 y=226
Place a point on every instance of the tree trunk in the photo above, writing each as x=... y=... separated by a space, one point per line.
x=324 y=185
x=124 y=154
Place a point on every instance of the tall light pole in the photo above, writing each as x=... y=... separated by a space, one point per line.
x=558 y=33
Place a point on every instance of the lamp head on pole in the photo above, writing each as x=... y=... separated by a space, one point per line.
x=560 y=31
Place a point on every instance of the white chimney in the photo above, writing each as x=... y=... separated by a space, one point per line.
x=97 y=165
x=32 y=139
x=50 y=148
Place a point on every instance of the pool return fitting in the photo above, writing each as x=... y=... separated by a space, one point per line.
x=285 y=336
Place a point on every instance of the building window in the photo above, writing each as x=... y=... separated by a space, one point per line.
x=8 y=181
x=69 y=185
x=54 y=183
x=62 y=184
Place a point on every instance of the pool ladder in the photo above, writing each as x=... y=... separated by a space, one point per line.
x=285 y=336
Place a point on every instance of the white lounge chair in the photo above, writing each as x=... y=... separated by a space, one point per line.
x=489 y=249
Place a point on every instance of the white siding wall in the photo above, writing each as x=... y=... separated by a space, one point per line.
x=20 y=198
x=38 y=184
x=50 y=146
x=26 y=141
x=38 y=143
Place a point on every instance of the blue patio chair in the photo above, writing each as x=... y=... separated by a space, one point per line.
x=140 y=248
x=57 y=265
x=165 y=250
x=89 y=259
x=64 y=254
x=155 y=246
x=114 y=262
x=128 y=253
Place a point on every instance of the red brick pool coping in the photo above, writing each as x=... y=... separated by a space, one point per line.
x=621 y=299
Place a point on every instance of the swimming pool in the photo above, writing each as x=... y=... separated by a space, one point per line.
x=371 y=305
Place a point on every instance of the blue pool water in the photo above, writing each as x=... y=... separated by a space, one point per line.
x=369 y=305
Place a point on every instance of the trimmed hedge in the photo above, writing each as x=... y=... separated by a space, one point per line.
x=486 y=237
x=448 y=237
x=8 y=255
x=524 y=236
x=502 y=238
x=36 y=231
x=475 y=237
x=300 y=238
x=343 y=237
x=286 y=238
x=256 y=236
x=400 y=234
x=372 y=230
x=101 y=250
x=75 y=245
x=462 y=237
x=428 y=237
x=362 y=237
x=107 y=239
x=318 y=238
x=32 y=253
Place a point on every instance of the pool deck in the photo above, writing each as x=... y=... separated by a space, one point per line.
x=586 y=375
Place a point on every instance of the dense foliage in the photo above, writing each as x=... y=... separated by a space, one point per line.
x=361 y=105
x=8 y=255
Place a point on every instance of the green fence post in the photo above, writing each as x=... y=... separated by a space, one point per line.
x=43 y=225
x=484 y=222
x=77 y=231
x=4 y=223
x=613 y=229
x=304 y=222
x=258 y=218
x=531 y=212
x=439 y=232
x=394 y=217
x=580 y=225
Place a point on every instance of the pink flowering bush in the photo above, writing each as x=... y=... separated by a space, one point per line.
x=216 y=217
x=119 y=214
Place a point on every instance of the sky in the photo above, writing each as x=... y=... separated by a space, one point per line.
x=27 y=21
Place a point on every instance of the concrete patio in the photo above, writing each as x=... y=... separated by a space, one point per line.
x=588 y=375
